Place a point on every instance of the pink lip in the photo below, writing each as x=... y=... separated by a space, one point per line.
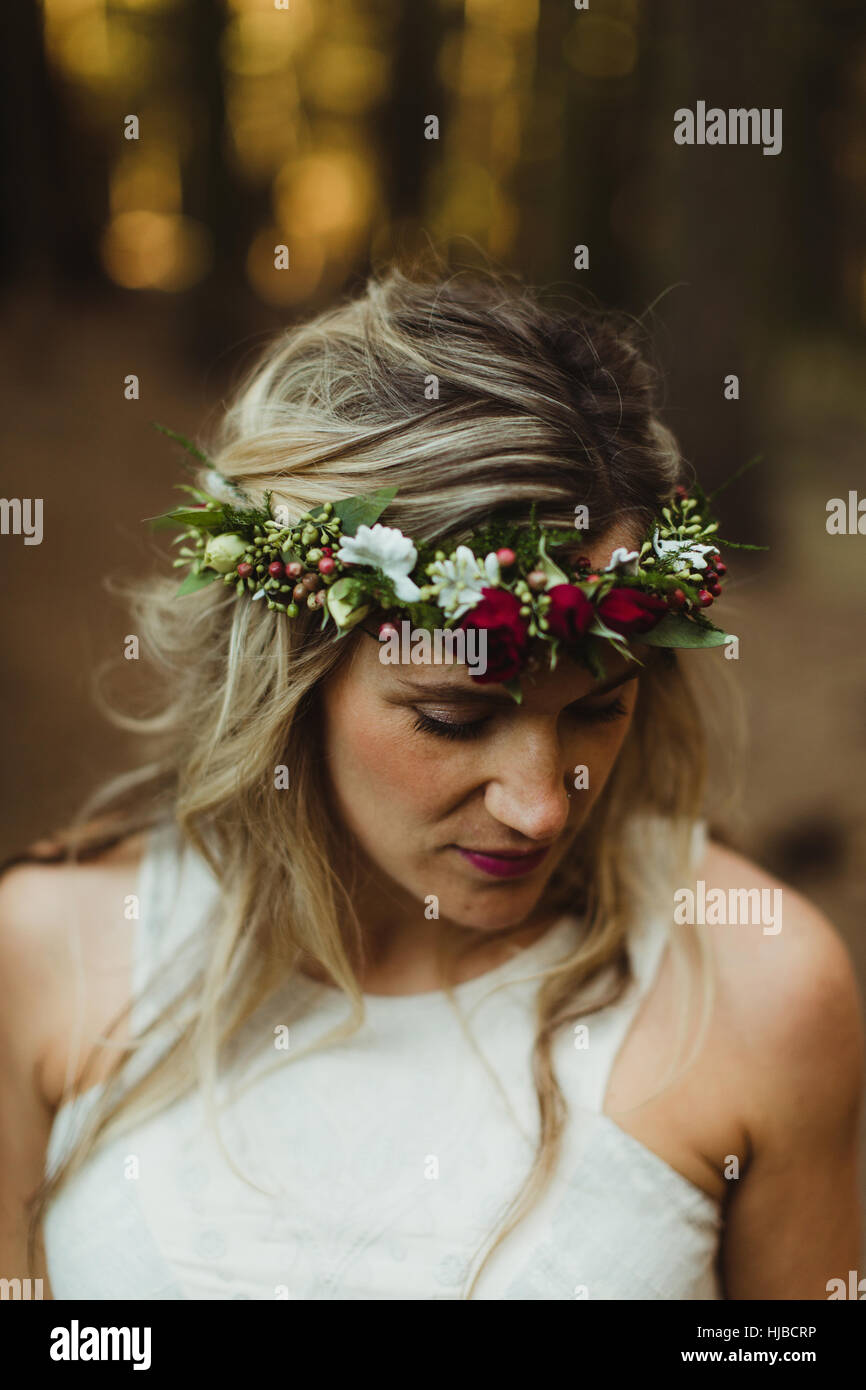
x=505 y=865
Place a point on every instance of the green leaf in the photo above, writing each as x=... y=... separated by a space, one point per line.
x=591 y=651
x=193 y=582
x=199 y=496
x=744 y=468
x=427 y=616
x=676 y=630
x=738 y=545
x=186 y=443
x=201 y=518
x=600 y=628
x=554 y=574
x=514 y=690
x=363 y=511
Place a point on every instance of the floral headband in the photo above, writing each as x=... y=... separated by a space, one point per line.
x=338 y=558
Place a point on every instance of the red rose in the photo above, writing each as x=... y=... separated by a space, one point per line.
x=570 y=612
x=628 y=611
x=498 y=614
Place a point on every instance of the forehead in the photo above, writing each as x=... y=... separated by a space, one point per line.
x=446 y=679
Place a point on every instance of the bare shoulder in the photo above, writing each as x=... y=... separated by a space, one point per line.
x=788 y=996
x=65 y=954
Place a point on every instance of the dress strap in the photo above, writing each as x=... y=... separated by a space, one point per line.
x=607 y=1029
x=177 y=891
x=156 y=892
x=158 y=880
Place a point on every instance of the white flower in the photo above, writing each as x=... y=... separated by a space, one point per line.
x=223 y=552
x=623 y=559
x=458 y=582
x=387 y=549
x=685 y=554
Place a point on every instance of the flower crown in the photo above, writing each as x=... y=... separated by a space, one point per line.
x=338 y=558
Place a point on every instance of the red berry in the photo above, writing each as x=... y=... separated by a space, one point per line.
x=327 y=550
x=715 y=588
x=681 y=491
x=294 y=569
x=387 y=630
x=591 y=578
x=505 y=557
x=245 y=569
x=677 y=599
x=704 y=599
x=721 y=569
x=300 y=592
x=326 y=565
x=276 y=569
x=310 y=582
x=582 y=562
x=710 y=576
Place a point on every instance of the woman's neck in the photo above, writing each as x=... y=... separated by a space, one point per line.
x=404 y=950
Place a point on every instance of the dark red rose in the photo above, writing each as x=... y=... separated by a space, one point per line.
x=570 y=612
x=498 y=614
x=628 y=611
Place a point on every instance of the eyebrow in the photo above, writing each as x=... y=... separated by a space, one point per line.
x=446 y=690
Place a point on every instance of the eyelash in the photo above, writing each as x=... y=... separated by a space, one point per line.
x=443 y=728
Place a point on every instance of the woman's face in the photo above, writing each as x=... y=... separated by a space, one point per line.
x=452 y=789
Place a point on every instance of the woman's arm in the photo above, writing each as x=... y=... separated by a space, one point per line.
x=65 y=959
x=33 y=962
x=794 y=1215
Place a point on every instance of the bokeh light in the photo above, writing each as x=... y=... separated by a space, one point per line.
x=147 y=250
x=598 y=46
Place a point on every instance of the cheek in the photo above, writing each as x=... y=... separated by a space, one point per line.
x=600 y=754
x=378 y=768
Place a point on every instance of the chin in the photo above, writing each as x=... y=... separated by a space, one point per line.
x=491 y=909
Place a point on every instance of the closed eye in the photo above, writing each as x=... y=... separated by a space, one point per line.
x=452 y=728
x=599 y=714
x=448 y=728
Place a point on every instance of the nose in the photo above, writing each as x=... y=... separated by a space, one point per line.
x=528 y=788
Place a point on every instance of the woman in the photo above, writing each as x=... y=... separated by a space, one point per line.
x=372 y=984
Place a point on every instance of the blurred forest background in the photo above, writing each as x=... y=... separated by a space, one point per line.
x=306 y=126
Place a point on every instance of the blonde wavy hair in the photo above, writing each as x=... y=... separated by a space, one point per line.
x=473 y=395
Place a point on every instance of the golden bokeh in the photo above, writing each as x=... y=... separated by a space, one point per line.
x=505 y=133
x=476 y=63
x=144 y=250
x=296 y=283
x=265 y=125
x=346 y=78
x=94 y=48
x=598 y=46
x=147 y=179
x=506 y=16
x=327 y=193
x=257 y=45
x=468 y=201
